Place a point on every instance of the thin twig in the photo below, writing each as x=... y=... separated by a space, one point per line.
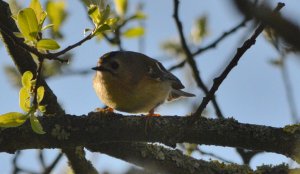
x=50 y=56
x=213 y=44
x=240 y=52
x=16 y=168
x=178 y=65
x=289 y=91
x=223 y=36
x=191 y=61
x=53 y=164
x=42 y=159
x=213 y=155
x=38 y=79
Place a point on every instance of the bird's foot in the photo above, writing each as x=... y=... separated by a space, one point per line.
x=152 y=114
x=107 y=109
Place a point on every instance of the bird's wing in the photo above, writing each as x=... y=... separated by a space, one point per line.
x=158 y=72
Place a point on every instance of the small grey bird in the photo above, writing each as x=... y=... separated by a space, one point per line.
x=135 y=83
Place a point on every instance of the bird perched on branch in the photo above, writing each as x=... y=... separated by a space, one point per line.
x=135 y=83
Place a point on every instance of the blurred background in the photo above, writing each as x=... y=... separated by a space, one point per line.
x=263 y=89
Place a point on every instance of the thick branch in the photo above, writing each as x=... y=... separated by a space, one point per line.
x=71 y=131
x=283 y=26
x=169 y=161
x=23 y=60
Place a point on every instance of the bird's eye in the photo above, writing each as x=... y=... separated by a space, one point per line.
x=114 y=65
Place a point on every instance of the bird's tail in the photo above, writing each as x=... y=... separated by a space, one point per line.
x=176 y=94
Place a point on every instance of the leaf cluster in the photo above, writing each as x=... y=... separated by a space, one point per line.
x=26 y=98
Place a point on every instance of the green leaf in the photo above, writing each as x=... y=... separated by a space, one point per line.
x=56 y=11
x=18 y=34
x=277 y=62
x=94 y=14
x=37 y=7
x=47 y=44
x=36 y=125
x=28 y=24
x=111 y=21
x=12 y=119
x=87 y=30
x=40 y=93
x=42 y=108
x=140 y=15
x=47 y=26
x=199 y=30
x=121 y=7
x=134 y=32
x=105 y=14
x=102 y=28
x=26 y=79
x=41 y=21
x=24 y=99
x=15 y=17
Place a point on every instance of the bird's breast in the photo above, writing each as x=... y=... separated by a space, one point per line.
x=139 y=97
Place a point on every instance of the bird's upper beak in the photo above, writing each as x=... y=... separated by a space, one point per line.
x=100 y=68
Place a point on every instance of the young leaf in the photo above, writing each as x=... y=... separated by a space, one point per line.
x=102 y=28
x=105 y=14
x=12 y=119
x=36 y=125
x=24 y=99
x=18 y=34
x=42 y=19
x=40 y=93
x=47 y=26
x=140 y=15
x=47 y=44
x=37 y=7
x=199 y=30
x=134 y=32
x=94 y=14
x=57 y=13
x=111 y=21
x=42 y=108
x=28 y=24
x=15 y=17
x=26 y=79
x=121 y=7
x=87 y=30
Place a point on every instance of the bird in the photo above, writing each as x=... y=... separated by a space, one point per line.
x=132 y=82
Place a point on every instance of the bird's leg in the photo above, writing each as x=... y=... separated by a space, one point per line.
x=106 y=109
x=152 y=114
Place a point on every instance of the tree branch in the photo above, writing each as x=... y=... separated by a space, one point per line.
x=213 y=44
x=23 y=60
x=284 y=27
x=173 y=161
x=223 y=36
x=51 y=56
x=240 y=52
x=191 y=61
x=68 y=131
